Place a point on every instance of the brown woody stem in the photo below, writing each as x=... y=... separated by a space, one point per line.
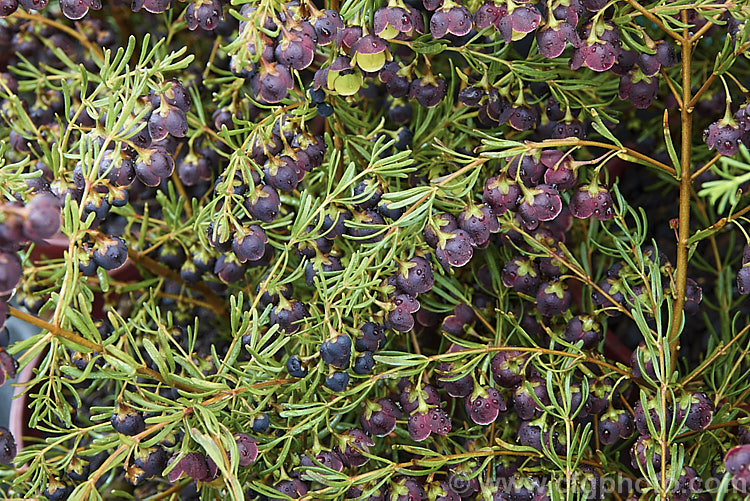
x=686 y=118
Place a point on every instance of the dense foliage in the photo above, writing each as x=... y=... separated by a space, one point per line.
x=418 y=249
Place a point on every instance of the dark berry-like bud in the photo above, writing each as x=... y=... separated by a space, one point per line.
x=364 y=363
x=373 y=337
x=127 y=421
x=369 y=225
x=336 y=351
x=110 y=252
x=294 y=367
x=368 y=192
x=428 y=91
x=287 y=314
x=337 y=381
x=151 y=460
x=57 y=490
x=260 y=423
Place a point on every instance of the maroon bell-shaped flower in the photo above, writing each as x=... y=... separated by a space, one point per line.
x=451 y=18
x=600 y=46
x=192 y=464
x=665 y=56
x=489 y=14
x=395 y=21
x=743 y=280
x=327 y=23
x=454 y=249
x=521 y=274
x=568 y=127
x=561 y=170
x=638 y=88
x=205 y=14
x=541 y=203
x=526 y=167
x=478 y=221
x=165 y=120
x=379 y=418
x=501 y=194
x=370 y=53
x=523 y=19
x=724 y=135
x=484 y=405
x=524 y=117
x=737 y=463
x=294 y=50
x=584 y=328
x=551 y=39
x=341 y=78
x=742 y=117
x=247 y=448
x=428 y=90
x=553 y=298
x=272 y=82
x=592 y=200
x=249 y=244
x=8 y=366
x=357 y=443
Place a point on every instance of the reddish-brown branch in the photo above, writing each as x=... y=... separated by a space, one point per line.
x=217 y=305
